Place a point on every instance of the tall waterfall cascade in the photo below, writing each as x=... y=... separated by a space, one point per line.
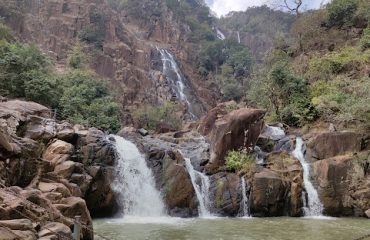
x=176 y=78
x=201 y=186
x=239 y=41
x=220 y=35
x=135 y=183
x=313 y=207
x=245 y=201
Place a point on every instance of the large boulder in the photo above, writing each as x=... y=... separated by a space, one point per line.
x=178 y=189
x=343 y=185
x=226 y=193
x=237 y=129
x=58 y=152
x=331 y=144
x=269 y=194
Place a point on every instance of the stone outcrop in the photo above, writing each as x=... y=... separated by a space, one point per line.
x=343 y=184
x=47 y=178
x=232 y=131
x=125 y=54
x=330 y=144
x=225 y=192
x=276 y=190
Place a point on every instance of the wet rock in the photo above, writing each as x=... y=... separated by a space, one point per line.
x=269 y=192
x=342 y=185
x=100 y=197
x=235 y=130
x=178 y=189
x=225 y=193
x=331 y=144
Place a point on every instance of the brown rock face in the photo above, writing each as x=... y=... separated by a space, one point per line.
x=225 y=190
x=125 y=52
x=235 y=130
x=343 y=185
x=330 y=144
x=50 y=180
x=179 y=191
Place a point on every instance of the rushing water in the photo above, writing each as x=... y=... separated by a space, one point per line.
x=176 y=78
x=245 y=202
x=239 y=41
x=136 y=181
x=220 y=35
x=201 y=186
x=314 y=207
x=236 y=229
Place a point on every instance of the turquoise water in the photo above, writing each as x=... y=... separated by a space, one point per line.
x=232 y=228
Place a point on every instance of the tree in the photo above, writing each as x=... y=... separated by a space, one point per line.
x=293 y=6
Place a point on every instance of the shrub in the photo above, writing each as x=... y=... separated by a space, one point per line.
x=365 y=40
x=239 y=161
x=18 y=64
x=86 y=100
x=151 y=117
x=341 y=13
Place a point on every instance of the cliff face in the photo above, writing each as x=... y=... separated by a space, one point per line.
x=125 y=52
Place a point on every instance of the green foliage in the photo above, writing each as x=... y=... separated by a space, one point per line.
x=77 y=58
x=342 y=99
x=341 y=13
x=19 y=63
x=151 y=117
x=239 y=161
x=228 y=52
x=81 y=96
x=86 y=100
x=345 y=60
x=365 y=40
x=5 y=33
x=95 y=32
x=262 y=21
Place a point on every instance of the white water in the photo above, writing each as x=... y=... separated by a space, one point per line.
x=135 y=183
x=314 y=206
x=238 y=36
x=201 y=189
x=170 y=68
x=259 y=157
x=220 y=35
x=245 y=202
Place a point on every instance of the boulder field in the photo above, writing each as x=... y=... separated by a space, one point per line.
x=52 y=171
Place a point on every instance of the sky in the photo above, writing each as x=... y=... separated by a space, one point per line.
x=222 y=7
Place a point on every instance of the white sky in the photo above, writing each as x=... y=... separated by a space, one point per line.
x=222 y=7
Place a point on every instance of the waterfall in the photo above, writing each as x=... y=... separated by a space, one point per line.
x=314 y=206
x=238 y=36
x=177 y=80
x=135 y=183
x=220 y=35
x=245 y=202
x=201 y=186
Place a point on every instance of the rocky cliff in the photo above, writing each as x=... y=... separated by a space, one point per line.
x=121 y=48
x=47 y=170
